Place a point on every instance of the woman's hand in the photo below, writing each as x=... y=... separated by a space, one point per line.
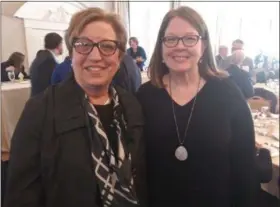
x=139 y=59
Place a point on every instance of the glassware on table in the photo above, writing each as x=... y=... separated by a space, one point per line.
x=11 y=76
x=265 y=110
x=21 y=77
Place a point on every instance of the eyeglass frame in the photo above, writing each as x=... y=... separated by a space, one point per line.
x=96 y=44
x=181 y=39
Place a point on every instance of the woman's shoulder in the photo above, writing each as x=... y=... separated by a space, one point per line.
x=126 y=95
x=147 y=88
x=148 y=93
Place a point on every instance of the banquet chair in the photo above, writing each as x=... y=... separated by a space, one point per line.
x=257 y=102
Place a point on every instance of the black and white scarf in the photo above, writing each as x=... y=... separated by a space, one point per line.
x=113 y=172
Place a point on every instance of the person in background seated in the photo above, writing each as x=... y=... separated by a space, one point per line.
x=14 y=63
x=240 y=77
x=136 y=52
x=63 y=69
x=247 y=63
x=44 y=63
x=223 y=52
x=261 y=61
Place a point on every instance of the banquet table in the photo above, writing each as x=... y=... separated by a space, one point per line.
x=267 y=136
x=14 y=95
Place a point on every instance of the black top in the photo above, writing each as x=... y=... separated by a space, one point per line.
x=220 y=170
x=105 y=113
x=242 y=79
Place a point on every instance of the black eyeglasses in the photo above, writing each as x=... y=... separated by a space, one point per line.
x=188 y=41
x=85 y=46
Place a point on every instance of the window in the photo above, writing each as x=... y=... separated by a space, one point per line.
x=256 y=23
x=145 y=20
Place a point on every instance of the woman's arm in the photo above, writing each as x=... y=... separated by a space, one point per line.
x=143 y=54
x=24 y=184
x=243 y=156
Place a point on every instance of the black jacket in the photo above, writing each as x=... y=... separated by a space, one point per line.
x=242 y=79
x=51 y=163
x=128 y=75
x=41 y=71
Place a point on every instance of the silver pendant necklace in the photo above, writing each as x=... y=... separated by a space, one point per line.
x=181 y=152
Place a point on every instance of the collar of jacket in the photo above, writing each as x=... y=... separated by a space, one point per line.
x=70 y=114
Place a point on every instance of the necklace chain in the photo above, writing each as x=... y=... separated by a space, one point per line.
x=181 y=141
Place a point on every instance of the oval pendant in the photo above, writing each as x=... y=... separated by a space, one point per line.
x=181 y=153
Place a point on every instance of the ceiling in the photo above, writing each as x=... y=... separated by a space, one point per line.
x=42 y=10
x=10 y=8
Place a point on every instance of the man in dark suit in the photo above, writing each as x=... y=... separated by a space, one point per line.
x=239 y=76
x=44 y=63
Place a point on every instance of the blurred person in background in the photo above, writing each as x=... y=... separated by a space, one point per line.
x=247 y=63
x=62 y=70
x=137 y=52
x=15 y=64
x=45 y=62
x=223 y=53
x=240 y=77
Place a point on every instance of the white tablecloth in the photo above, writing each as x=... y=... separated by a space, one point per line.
x=7 y=86
x=13 y=98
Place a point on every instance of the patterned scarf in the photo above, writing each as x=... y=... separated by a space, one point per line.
x=113 y=172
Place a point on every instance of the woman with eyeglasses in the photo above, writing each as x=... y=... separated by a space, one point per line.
x=79 y=143
x=199 y=133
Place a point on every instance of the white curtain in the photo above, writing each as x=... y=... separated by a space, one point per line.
x=122 y=8
x=175 y=4
x=145 y=20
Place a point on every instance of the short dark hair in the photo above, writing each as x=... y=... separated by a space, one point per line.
x=52 y=40
x=238 y=41
x=134 y=39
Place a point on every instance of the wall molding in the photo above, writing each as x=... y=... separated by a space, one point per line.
x=45 y=25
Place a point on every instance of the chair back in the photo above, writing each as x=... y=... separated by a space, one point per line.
x=257 y=102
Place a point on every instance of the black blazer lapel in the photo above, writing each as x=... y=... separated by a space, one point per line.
x=69 y=106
